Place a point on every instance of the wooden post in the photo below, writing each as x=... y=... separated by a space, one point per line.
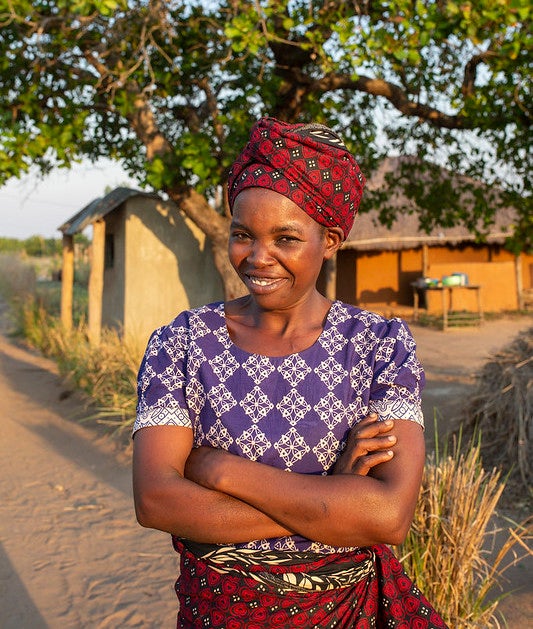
x=425 y=260
x=67 y=281
x=519 y=284
x=445 y=297
x=96 y=282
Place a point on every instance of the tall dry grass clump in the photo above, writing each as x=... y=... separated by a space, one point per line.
x=501 y=410
x=448 y=548
x=106 y=373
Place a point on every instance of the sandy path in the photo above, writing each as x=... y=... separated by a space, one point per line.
x=71 y=553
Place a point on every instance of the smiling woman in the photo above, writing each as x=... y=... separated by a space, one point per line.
x=279 y=436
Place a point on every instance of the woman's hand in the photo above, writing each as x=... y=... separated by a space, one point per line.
x=367 y=445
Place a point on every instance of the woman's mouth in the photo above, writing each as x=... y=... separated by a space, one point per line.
x=263 y=283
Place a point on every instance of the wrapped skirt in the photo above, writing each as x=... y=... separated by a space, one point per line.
x=227 y=588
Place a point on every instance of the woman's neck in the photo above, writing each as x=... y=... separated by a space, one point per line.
x=276 y=332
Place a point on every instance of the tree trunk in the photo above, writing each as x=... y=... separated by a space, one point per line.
x=216 y=228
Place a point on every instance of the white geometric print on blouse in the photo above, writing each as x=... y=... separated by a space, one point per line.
x=175 y=345
x=330 y=410
x=361 y=377
x=293 y=407
x=221 y=399
x=198 y=328
x=195 y=359
x=371 y=318
x=396 y=408
x=364 y=342
x=224 y=365
x=146 y=377
x=285 y=543
x=389 y=374
x=326 y=451
x=332 y=340
x=405 y=338
x=154 y=345
x=291 y=447
x=172 y=377
x=258 y=367
x=331 y=372
x=356 y=408
x=256 y=404
x=218 y=436
x=253 y=443
x=166 y=412
x=195 y=394
x=338 y=314
x=414 y=366
x=294 y=369
x=221 y=335
x=385 y=349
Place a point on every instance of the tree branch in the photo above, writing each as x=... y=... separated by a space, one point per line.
x=300 y=86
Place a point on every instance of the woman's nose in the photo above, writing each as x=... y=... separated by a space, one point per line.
x=259 y=254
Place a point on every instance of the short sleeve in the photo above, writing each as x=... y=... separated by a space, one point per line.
x=398 y=376
x=161 y=379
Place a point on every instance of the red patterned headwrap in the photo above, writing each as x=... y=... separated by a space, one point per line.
x=307 y=163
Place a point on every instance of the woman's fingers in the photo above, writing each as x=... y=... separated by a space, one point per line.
x=371 y=427
x=367 y=445
x=364 y=464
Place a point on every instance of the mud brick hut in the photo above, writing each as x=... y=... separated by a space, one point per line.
x=147 y=264
x=377 y=266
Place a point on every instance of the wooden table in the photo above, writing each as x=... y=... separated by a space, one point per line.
x=447 y=296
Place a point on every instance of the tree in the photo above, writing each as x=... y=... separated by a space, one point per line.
x=171 y=88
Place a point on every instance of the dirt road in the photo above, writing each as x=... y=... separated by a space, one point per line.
x=71 y=553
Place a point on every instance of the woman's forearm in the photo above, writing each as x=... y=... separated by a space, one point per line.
x=185 y=509
x=340 y=510
x=166 y=500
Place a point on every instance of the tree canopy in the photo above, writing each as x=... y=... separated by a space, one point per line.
x=170 y=89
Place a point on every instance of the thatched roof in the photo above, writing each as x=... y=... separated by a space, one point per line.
x=405 y=233
x=367 y=233
x=98 y=208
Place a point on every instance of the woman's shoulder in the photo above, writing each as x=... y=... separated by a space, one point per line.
x=354 y=320
x=209 y=316
x=353 y=315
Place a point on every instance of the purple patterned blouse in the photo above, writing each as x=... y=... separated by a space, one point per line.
x=292 y=412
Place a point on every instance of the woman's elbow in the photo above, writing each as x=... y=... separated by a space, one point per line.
x=146 y=511
x=398 y=527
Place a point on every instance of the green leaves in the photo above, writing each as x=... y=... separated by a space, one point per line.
x=448 y=81
x=244 y=32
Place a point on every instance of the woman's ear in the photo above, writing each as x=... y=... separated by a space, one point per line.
x=334 y=239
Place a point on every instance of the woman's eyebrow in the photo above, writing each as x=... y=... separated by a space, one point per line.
x=278 y=229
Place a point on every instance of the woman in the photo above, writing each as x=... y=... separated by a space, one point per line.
x=257 y=444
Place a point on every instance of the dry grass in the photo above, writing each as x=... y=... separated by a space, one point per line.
x=447 y=551
x=107 y=372
x=501 y=410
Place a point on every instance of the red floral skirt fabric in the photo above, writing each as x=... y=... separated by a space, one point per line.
x=384 y=598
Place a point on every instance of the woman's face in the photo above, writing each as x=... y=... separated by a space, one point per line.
x=276 y=248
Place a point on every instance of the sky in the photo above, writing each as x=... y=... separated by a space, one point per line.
x=32 y=206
